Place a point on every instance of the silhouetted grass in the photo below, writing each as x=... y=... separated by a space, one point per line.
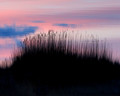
x=51 y=59
x=54 y=61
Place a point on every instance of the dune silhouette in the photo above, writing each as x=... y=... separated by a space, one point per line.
x=48 y=62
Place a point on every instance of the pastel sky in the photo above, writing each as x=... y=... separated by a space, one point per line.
x=23 y=17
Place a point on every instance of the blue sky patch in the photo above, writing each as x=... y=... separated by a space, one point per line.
x=13 y=31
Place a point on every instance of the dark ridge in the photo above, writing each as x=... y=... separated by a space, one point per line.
x=52 y=62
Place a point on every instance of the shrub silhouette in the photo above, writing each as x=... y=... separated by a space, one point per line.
x=51 y=60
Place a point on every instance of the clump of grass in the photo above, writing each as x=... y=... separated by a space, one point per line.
x=62 y=42
x=54 y=59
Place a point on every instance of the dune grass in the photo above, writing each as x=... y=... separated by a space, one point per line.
x=53 y=60
x=53 y=57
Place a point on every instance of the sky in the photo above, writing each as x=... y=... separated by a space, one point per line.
x=19 y=18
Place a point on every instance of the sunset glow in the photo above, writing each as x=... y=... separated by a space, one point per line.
x=19 y=18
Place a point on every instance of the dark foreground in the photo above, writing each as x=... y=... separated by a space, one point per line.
x=51 y=70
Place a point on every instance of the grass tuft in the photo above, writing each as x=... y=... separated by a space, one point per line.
x=54 y=60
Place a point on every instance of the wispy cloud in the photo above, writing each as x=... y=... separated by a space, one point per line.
x=65 y=25
x=13 y=31
x=38 y=21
